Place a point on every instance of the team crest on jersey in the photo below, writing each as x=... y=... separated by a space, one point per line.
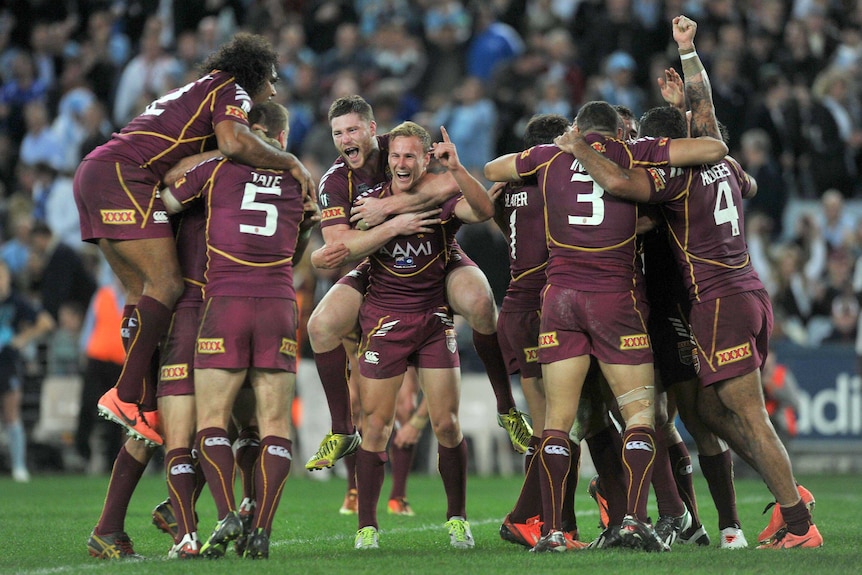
x=330 y=213
x=531 y=354
x=599 y=147
x=174 y=372
x=733 y=354
x=635 y=341
x=663 y=141
x=180 y=182
x=211 y=345
x=118 y=217
x=236 y=112
x=548 y=339
x=288 y=347
x=658 y=178
x=451 y=341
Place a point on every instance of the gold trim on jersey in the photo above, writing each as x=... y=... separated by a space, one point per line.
x=145 y=214
x=525 y=273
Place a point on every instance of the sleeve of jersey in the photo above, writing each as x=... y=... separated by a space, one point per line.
x=448 y=207
x=193 y=182
x=741 y=175
x=528 y=161
x=334 y=200
x=231 y=102
x=650 y=152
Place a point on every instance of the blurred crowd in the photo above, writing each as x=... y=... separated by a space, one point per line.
x=785 y=78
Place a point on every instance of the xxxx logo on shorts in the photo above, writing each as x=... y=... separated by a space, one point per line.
x=531 y=354
x=733 y=354
x=288 y=347
x=636 y=341
x=211 y=345
x=174 y=372
x=548 y=339
x=118 y=217
x=236 y=112
x=330 y=213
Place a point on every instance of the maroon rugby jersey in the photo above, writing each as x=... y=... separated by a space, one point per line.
x=703 y=208
x=179 y=124
x=591 y=234
x=189 y=228
x=523 y=216
x=253 y=219
x=408 y=273
x=340 y=186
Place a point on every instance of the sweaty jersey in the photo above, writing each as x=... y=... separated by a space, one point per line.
x=179 y=124
x=521 y=215
x=703 y=208
x=408 y=273
x=591 y=235
x=253 y=219
x=341 y=186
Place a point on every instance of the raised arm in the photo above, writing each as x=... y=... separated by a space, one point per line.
x=697 y=86
x=502 y=169
x=477 y=206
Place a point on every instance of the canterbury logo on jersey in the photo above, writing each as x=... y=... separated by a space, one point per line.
x=278 y=451
x=635 y=341
x=330 y=213
x=385 y=328
x=638 y=445
x=548 y=339
x=236 y=112
x=211 y=345
x=556 y=450
x=118 y=217
x=182 y=468
x=213 y=441
x=531 y=354
x=174 y=372
x=372 y=357
x=733 y=354
x=288 y=347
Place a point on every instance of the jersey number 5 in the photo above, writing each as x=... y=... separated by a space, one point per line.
x=250 y=203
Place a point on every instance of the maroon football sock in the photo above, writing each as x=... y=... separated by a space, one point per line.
x=569 y=521
x=638 y=451
x=216 y=460
x=667 y=497
x=125 y=476
x=488 y=349
x=181 y=478
x=529 y=502
x=718 y=472
x=350 y=466
x=797 y=517
x=332 y=369
x=200 y=478
x=680 y=464
x=370 y=469
x=605 y=451
x=555 y=457
x=452 y=465
x=270 y=474
x=149 y=402
x=151 y=318
x=246 y=455
x=125 y=331
x=401 y=459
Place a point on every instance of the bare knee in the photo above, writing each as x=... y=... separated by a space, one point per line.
x=447 y=430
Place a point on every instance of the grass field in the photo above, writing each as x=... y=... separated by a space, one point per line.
x=46 y=524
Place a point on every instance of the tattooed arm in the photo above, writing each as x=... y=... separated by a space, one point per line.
x=697 y=85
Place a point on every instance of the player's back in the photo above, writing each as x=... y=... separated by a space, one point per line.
x=522 y=217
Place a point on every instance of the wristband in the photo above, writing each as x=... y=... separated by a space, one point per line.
x=688 y=56
x=418 y=421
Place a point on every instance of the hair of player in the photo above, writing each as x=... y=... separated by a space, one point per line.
x=271 y=115
x=543 y=128
x=598 y=116
x=663 y=122
x=411 y=129
x=352 y=104
x=250 y=58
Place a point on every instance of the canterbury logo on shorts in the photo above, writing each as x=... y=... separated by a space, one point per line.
x=636 y=341
x=174 y=372
x=288 y=347
x=330 y=213
x=733 y=354
x=118 y=217
x=548 y=339
x=211 y=345
x=531 y=354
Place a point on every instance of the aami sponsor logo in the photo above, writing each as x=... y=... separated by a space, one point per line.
x=118 y=217
x=288 y=347
x=211 y=345
x=733 y=354
x=174 y=372
x=634 y=341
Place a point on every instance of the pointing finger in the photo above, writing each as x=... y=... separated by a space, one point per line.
x=445 y=134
